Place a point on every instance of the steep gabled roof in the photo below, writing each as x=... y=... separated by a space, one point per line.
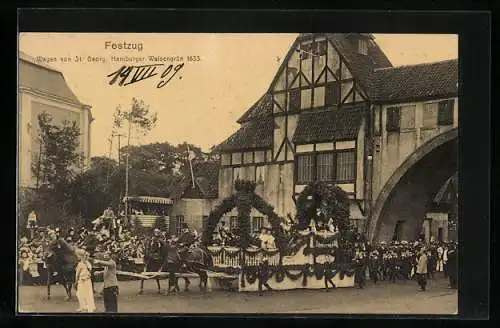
x=263 y=107
x=414 y=82
x=319 y=126
x=44 y=78
x=254 y=134
x=361 y=67
x=206 y=176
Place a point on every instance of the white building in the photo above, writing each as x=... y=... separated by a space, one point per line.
x=44 y=89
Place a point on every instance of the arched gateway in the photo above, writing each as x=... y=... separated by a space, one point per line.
x=406 y=196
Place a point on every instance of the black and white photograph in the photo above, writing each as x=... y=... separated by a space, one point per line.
x=219 y=173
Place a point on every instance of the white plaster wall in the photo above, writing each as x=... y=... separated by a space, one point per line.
x=395 y=147
x=30 y=105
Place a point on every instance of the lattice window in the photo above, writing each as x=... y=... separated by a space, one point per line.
x=305 y=168
x=346 y=166
x=325 y=166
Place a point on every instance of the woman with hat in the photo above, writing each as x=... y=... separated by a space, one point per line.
x=84 y=290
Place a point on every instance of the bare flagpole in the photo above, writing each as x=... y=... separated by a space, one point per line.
x=190 y=165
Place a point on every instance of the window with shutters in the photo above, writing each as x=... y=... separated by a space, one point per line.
x=346 y=166
x=445 y=112
x=408 y=117
x=430 y=115
x=325 y=166
x=305 y=168
x=393 y=119
x=332 y=93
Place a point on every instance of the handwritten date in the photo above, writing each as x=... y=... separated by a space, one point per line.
x=127 y=75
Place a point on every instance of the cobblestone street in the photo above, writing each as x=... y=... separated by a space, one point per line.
x=384 y=298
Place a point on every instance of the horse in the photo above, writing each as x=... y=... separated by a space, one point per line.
x=61 y=263
x=183 y=259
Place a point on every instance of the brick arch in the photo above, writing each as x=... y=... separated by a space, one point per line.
x=412 y=184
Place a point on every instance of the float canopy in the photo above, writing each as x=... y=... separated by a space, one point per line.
x=148 y=199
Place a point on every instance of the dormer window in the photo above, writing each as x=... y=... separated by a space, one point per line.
x=363 y=46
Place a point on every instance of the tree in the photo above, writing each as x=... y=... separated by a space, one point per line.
x=56 y=169
x=137 y=116
x=162 y=157
x=59 y=156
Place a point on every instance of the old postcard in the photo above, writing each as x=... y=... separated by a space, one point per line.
x=237 y=173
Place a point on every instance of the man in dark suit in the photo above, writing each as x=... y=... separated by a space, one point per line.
x=263 y=275
x=329 y=274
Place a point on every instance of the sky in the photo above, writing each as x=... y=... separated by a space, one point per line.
x=203 y=100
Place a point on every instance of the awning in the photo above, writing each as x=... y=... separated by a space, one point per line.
x=148 y=199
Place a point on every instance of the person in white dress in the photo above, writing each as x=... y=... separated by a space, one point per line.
x=84 y=291
x=439 y=265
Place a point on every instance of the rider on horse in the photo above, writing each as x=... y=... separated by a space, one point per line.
x=61 y=261
x=154 y=256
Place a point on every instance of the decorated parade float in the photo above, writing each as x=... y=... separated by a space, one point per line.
x=300 y=251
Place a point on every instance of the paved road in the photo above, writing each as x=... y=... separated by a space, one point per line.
x=384 y=298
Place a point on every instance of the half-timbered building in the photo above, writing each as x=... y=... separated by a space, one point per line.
x=328 y=115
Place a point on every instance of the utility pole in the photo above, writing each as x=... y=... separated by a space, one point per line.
x=126 y=161
x=110 y=140
x=119 y=145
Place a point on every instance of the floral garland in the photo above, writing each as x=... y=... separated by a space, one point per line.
x=330 y=199
x=315 y=251
x=250 y=274
x=226 y=205
x=244 y=199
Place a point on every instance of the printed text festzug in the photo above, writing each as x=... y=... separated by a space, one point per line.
x=123 y=46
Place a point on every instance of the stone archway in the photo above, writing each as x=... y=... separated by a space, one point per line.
x=408 y=193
